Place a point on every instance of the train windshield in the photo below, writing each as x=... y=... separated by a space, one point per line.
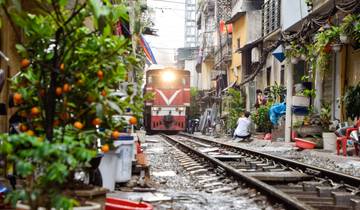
x=167 y=80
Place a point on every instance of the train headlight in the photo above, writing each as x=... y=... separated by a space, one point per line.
x=181 y=109
x=155 y=109
x=168 y=76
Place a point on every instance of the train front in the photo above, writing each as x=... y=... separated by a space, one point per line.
x=171 y=89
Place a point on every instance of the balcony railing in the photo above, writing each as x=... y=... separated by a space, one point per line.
x=270 y=16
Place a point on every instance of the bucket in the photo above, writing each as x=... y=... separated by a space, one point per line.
x=108 y=170
x=121 y=204
x=329 y=139
x=124 y=152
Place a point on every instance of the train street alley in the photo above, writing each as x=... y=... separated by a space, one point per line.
x=202 y=172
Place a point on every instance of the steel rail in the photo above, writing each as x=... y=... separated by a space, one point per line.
x=289 y=202
x=333 y=175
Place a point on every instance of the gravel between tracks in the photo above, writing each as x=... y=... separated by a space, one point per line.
x=317 y=157
x=181 y=188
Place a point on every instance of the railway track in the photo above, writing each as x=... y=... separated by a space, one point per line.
x=293 y=184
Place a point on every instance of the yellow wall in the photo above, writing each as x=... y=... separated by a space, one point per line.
x=206 y=69
x=239 y=31
x=353 y=67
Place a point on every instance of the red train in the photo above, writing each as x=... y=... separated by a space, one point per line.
x=167 y=111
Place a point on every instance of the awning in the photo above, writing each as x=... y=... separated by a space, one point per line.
x=230 y=86
x=249 y=45
x=235 y=17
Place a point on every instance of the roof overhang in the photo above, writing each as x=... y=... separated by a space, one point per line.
x=235 y=17
x=249 y=45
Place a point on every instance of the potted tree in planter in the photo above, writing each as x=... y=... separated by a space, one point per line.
x=66 y=88
x=329 y=137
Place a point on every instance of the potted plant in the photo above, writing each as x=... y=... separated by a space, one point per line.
x=70 y=70
x=262 y=119
x=329 y=137
x=293 y=53
x=352 y=102
x=347 y=27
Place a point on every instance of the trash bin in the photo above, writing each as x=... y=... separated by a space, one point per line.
x=124 y=153
x=108 y=170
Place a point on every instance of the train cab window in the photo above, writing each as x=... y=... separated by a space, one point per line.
x=183 y=81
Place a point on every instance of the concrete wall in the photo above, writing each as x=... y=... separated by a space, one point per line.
x=194 y=76
x=253 y=20
x=292 y=11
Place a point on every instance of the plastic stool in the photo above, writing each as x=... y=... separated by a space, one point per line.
x=341 y=143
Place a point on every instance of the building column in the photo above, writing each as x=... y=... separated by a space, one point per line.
x=289 y=67
x=318 y=89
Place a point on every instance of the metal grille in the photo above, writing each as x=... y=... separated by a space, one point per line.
x=270 y=16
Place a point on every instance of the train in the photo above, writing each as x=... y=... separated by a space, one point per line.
x=167 y=110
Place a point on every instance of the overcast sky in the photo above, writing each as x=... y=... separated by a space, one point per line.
x=169 y=20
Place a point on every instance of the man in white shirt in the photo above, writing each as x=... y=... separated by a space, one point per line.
x=243 y=127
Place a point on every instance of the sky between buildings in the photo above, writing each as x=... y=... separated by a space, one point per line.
x=169 y=20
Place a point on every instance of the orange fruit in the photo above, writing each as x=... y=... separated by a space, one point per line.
x=133 y=120
x=66 y=88
x=80 y=82
x=62 y=67
x=105 y=148
x=58 y=91
x=30 y=133
x=103 y=93
x=24 y=63
x=23 y=113
x=96 y=121
x=100 y=74
x=35 y=111
x=64 y=116
x=78 y=125
x=115 y=134
x=56 y=122
x=23 y=127
x=17 y=98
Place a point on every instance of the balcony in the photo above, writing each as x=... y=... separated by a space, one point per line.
x=270 y=17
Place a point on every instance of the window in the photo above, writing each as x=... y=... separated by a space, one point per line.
x=268 y=76
x=238 y=43
x=282 y=75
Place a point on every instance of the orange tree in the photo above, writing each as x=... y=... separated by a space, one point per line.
x=70 y=82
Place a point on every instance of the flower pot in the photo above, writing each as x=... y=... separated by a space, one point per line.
x=329 y=139
x=294 y=60
x=336 y=47
x=327 y=48
x=90 y=206
x=344 y=39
